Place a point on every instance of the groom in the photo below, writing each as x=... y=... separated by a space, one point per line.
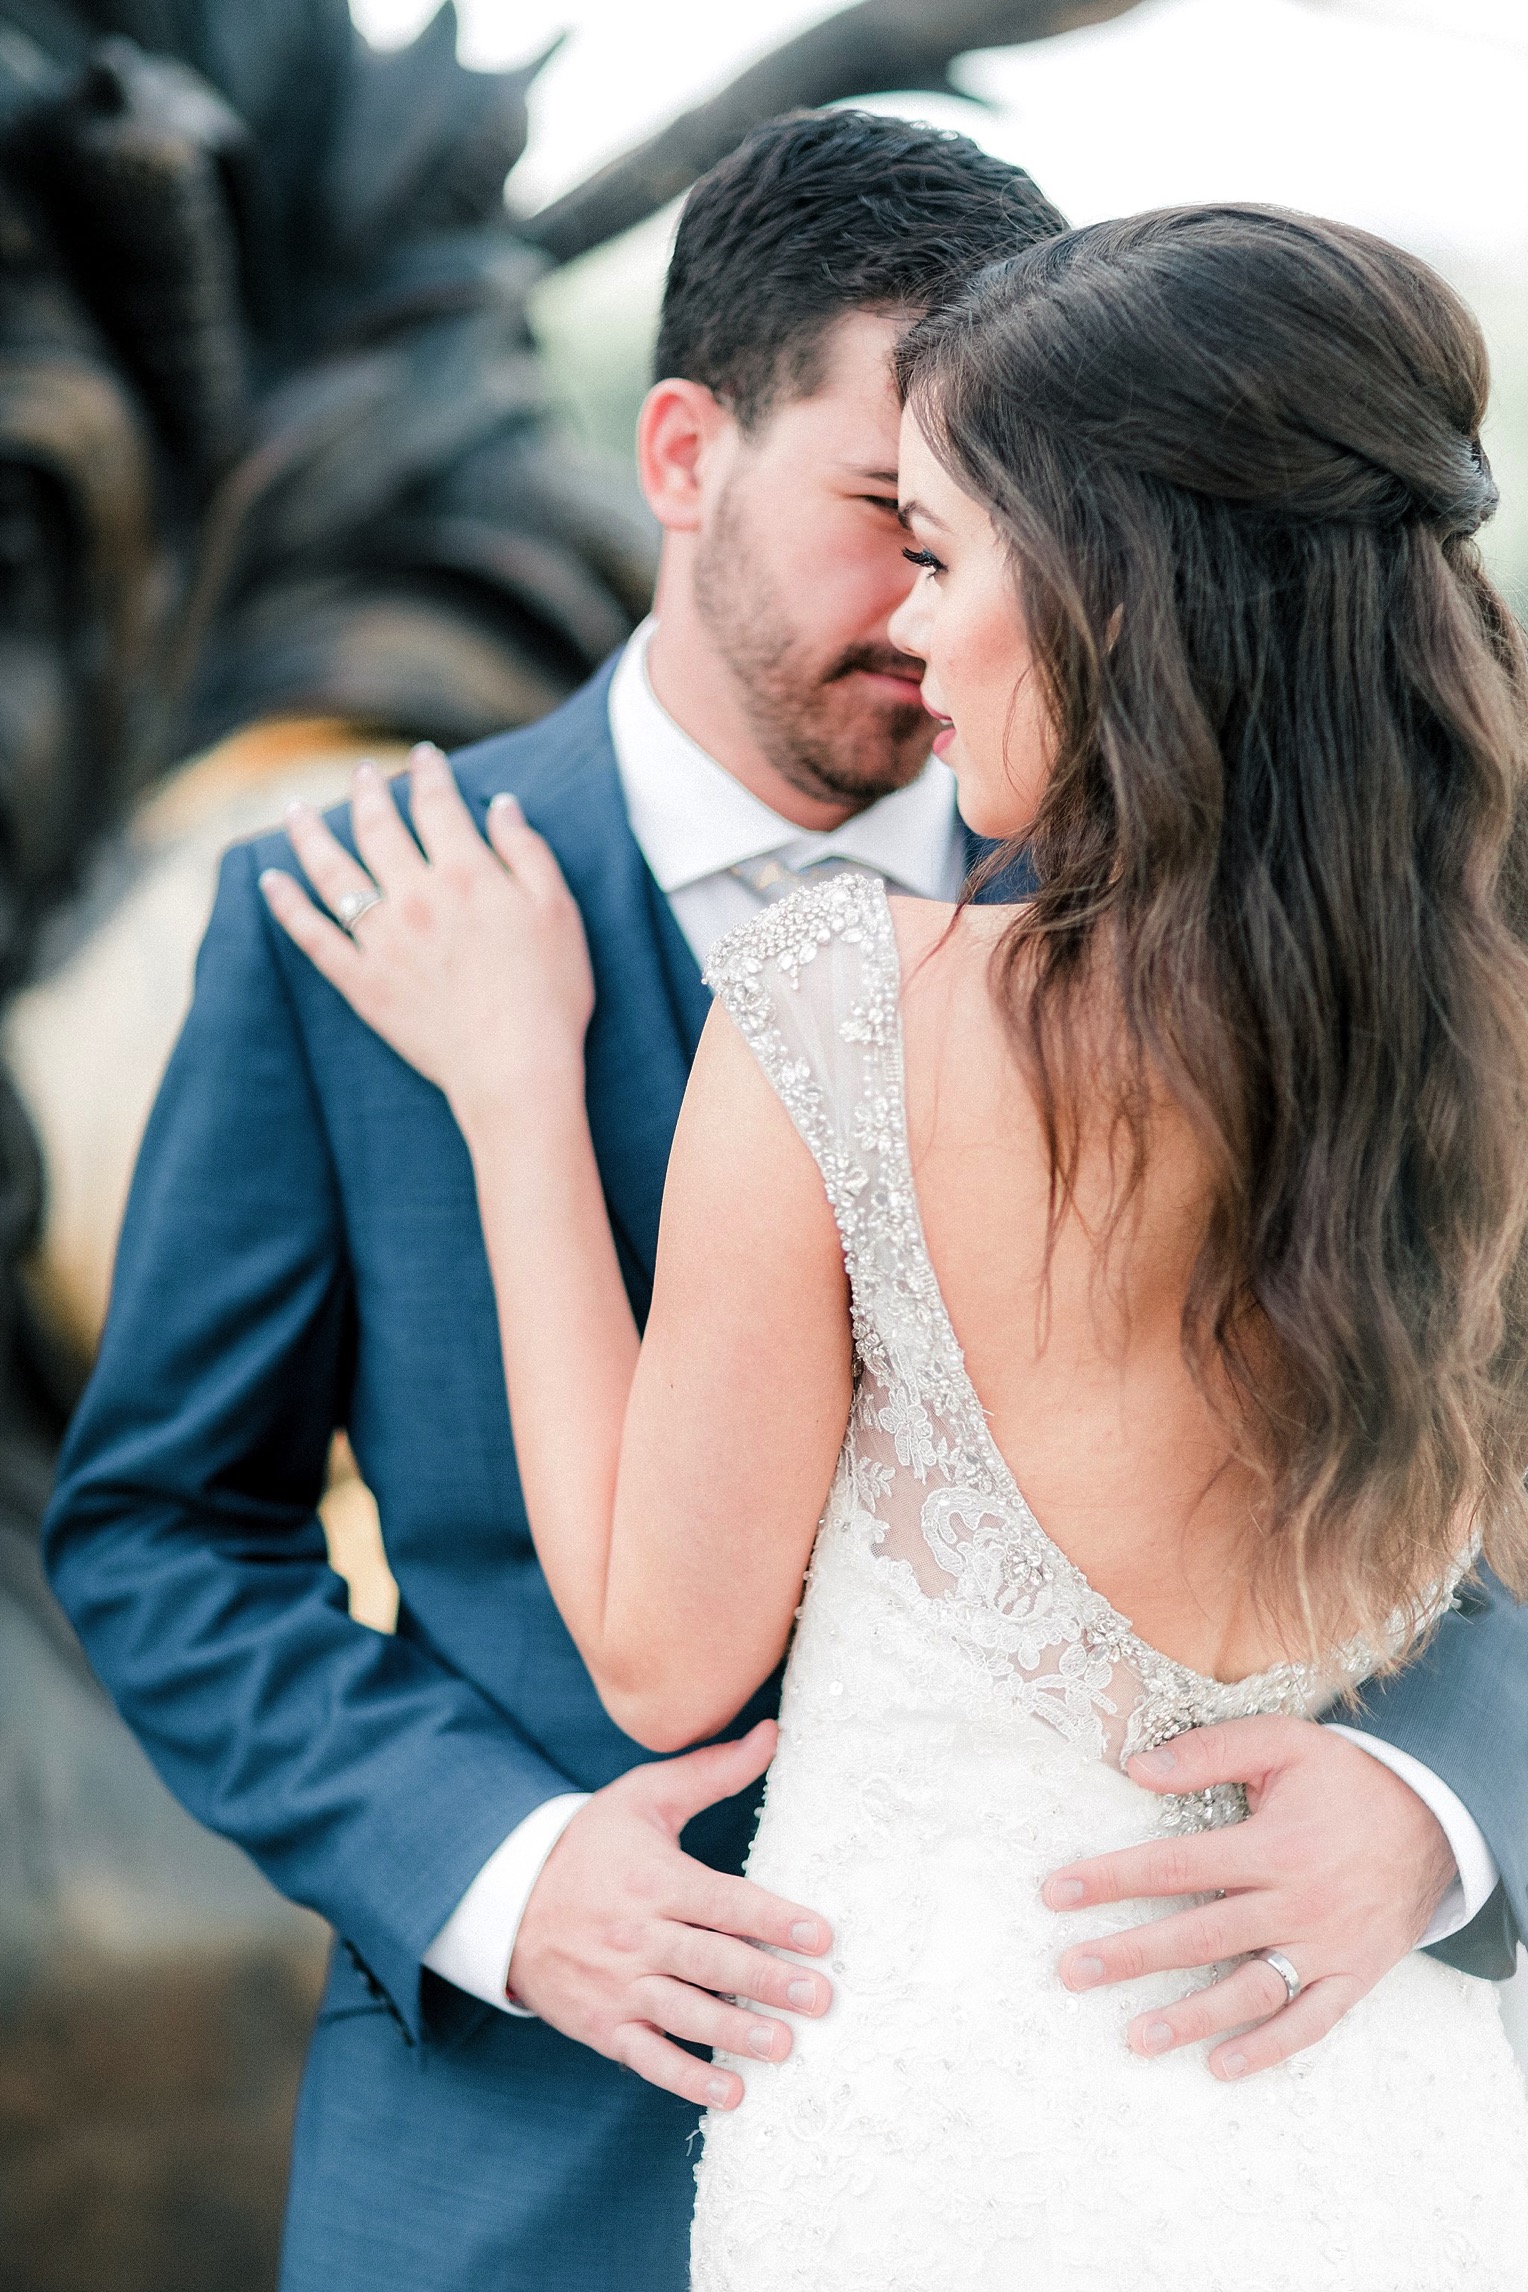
x=302 y=1251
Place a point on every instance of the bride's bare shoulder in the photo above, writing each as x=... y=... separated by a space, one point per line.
x=934 y=933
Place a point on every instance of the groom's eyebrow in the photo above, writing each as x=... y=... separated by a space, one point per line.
x=884 y=481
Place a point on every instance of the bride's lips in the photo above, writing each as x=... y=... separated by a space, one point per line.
x=944 y=735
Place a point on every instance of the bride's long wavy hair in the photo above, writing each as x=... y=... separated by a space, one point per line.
x=1235 y=454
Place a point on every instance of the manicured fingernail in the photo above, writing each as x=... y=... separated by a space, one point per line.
x=269 y=876
x=424 y=752
x=1158 y=1762
x=294 y=810
x=1234 y=2065
x=761 y=2038
x=802 y=1994
x=1063 y=1893
x=1157 y=2036
x=504 y=802
x=367 y=769
x=1084 y=1972
x=804 y=1934
x=718 y=2092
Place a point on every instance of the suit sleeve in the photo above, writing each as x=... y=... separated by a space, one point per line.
x=1462 y=1709
x=363 y=1776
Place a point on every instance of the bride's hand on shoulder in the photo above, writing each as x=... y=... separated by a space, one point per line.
x=468 y=957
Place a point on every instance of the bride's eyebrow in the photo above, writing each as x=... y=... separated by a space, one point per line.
x=911 y=512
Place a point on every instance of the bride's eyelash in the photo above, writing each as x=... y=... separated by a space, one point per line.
x=925 y=558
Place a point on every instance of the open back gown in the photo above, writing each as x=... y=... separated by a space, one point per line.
x=958 y=1706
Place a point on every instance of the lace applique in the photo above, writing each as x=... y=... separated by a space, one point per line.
x=814 y=986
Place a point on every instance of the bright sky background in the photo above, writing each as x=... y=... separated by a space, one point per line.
x=1410 y=116
x=1407 y=116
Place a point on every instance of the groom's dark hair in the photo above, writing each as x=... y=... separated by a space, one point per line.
x=818 y=214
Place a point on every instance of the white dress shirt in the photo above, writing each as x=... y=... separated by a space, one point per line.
x=694 y=823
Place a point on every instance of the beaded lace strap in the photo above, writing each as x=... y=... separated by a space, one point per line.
x=762 y=971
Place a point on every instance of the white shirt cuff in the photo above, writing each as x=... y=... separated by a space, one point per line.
x=1478 y=1875
x=474 y=1947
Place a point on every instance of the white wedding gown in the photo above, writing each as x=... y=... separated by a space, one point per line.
x=957 y=1706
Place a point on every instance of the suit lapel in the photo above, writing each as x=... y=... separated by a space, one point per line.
x=650 y=1002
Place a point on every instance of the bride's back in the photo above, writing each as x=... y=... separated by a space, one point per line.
x=1074 y=1341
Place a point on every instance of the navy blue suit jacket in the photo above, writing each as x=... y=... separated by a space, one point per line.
x=302 y=1250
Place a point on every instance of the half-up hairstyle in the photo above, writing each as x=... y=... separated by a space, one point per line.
x=1236 y=456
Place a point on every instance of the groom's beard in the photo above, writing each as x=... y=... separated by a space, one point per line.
x=821 y=728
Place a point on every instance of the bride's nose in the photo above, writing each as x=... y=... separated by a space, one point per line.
x=906 y=627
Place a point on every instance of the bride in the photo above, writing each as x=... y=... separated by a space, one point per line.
x=1112 y=1308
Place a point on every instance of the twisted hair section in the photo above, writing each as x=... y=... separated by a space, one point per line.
x=1235 y=455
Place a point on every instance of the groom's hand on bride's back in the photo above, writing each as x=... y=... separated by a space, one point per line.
x=1339 y=1867
x=627 y=1942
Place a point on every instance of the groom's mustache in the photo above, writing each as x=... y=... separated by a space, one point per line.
x=875 y=660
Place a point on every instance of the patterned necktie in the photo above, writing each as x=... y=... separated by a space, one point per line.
x=771 y=878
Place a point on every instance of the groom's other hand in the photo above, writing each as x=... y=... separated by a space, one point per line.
x=627 y=1942
x=1339 y=1866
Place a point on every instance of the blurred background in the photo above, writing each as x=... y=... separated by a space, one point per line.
x=315 y=439
x=1409 y=117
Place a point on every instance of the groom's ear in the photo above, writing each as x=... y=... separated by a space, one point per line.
x=686 y=439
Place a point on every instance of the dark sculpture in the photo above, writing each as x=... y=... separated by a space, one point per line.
x=274 y=445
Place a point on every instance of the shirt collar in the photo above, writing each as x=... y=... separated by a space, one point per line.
x=692 y=819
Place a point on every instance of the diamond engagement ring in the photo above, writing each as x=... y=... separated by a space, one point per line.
x=1284 y=1970
x=349 y=909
